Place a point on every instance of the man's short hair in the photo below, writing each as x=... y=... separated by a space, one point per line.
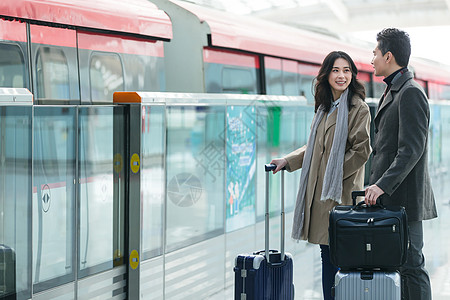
x=397 y=42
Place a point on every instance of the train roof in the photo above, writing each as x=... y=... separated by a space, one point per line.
x=430 y=70
x=260 y=36
x=139 y=17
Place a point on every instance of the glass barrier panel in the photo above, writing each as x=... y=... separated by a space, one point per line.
x=195 y=174
x=152 y=179
x=15 y=205
x=100 y=210
x=282 y=128
x=241 y=166
x=53 y=196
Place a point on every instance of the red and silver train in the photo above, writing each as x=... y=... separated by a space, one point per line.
x=80 y=52
x=66 y=191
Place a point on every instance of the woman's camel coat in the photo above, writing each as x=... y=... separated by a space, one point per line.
x=357 y=151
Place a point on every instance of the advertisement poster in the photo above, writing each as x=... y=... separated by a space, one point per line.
x=241 y=167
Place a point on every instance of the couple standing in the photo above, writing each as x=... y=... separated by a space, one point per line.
x=333 y=160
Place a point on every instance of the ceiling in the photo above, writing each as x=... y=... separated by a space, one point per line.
x=341 y=16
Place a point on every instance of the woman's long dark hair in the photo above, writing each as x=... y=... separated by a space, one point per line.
x=322 y=88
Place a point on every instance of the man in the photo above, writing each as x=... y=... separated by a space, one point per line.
x=399 y=171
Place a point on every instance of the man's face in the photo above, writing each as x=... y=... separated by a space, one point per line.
x=379 y=62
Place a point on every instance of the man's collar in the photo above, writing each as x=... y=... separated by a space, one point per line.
x=388 y=80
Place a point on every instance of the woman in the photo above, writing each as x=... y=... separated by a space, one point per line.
x=333 y=160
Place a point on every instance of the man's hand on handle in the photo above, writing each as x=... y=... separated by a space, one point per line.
x=372 y=194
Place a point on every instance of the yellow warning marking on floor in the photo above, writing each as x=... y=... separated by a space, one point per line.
x=134 y=259
x=135 y=163
x=118 y=162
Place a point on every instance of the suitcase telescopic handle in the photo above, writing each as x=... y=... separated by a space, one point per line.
x=357 y=194
x=268 y=168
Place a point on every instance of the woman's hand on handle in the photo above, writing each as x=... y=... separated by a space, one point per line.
x=280 y=163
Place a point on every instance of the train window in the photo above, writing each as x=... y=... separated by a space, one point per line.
x=273 y=76
x=378 y=89
x=290 y=78
x=135 y=75
x=238 y=80
x=106 y=76
x=364 y=78
x=230 y=72
x=307 y=73
x=445 y=92
x=433 y=91
x=52 y=74
x=306 y=87
x=438 y=91
x=281 y=76
x=12 y=66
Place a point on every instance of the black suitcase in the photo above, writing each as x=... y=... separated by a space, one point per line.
x=7 y=273
x=259 y=276
x=368 y=237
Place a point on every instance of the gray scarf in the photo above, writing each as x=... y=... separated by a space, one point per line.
x=332 y=182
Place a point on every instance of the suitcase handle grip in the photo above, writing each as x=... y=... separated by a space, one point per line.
x=357 y=194
x=271 y=167
x=363 y=204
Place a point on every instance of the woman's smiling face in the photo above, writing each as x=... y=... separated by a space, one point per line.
x=339 y=77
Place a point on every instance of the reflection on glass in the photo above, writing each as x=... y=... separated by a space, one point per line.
x=195 y=174
x=106 y=76
x=152 y=179
x=294 y=130
x=281 y=130
x=53 y=196
x=15 y=194
x=101 y=243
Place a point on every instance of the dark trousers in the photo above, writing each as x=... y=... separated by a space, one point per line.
x=415 y=280
x=328 y=272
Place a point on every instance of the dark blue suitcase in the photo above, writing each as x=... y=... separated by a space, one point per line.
x=262 y=277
